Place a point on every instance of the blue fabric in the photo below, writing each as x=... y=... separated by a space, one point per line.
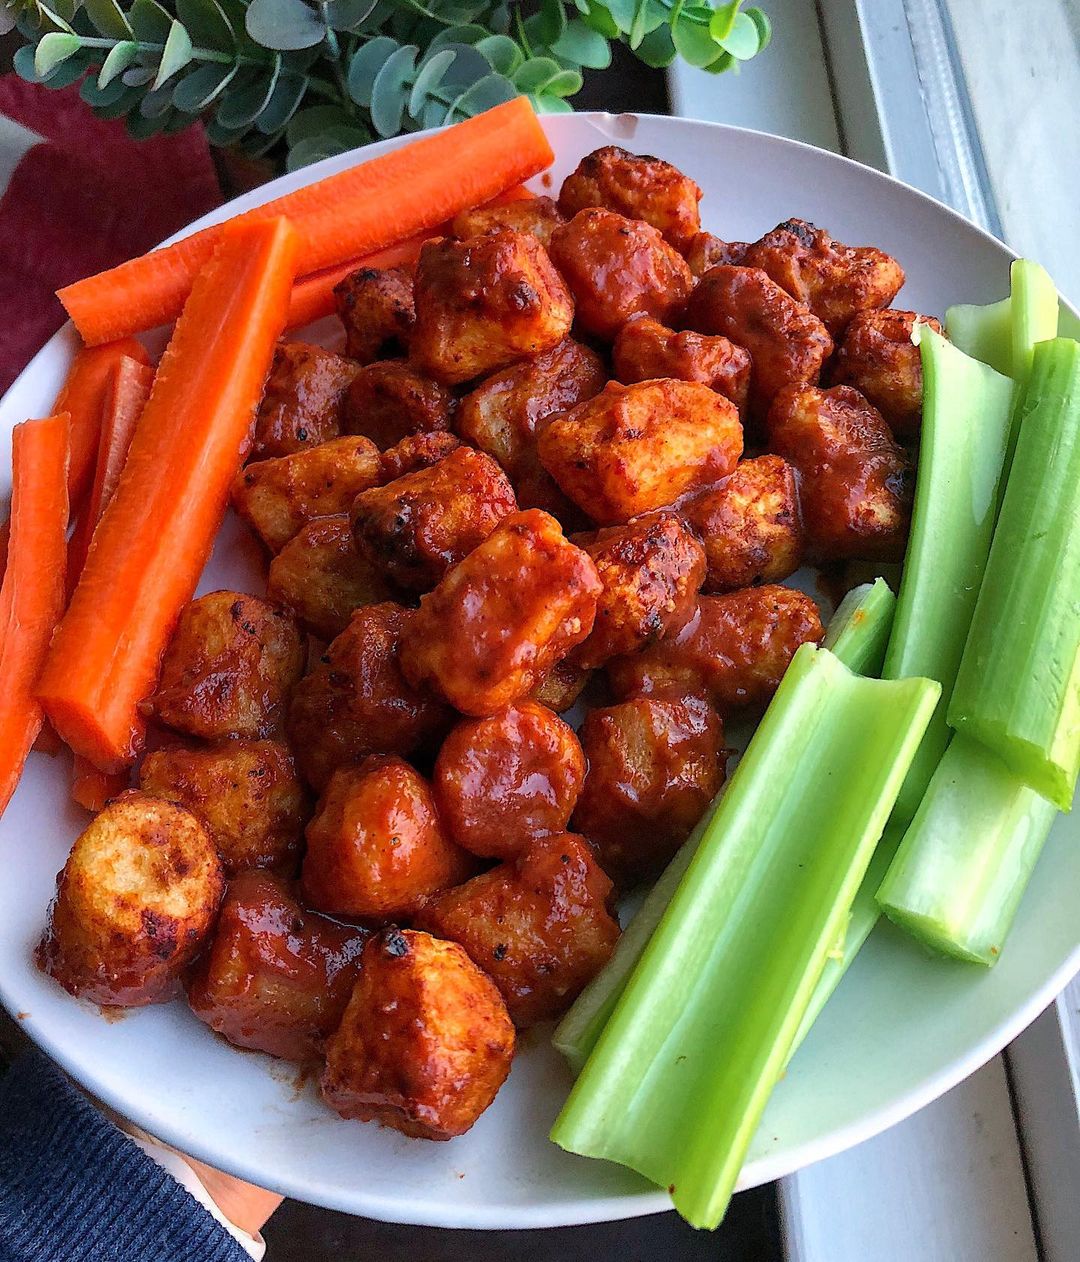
x=73 y=1188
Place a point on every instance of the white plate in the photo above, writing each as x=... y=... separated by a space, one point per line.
x=902 y=1028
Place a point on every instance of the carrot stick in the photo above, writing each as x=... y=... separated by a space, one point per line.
x=346 y=216
x=32 y=593
x=47 y=742
x=156 y=533
x=313 y=296
x=91 y=788
x=125 y=397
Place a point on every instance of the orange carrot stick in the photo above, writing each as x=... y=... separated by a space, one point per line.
x=313 y=296
x=91 y=788
x=156 y=533
x=346 y=216
x=125 y=397
x=32 y=593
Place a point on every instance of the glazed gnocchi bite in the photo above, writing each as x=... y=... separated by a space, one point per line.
x=229 y=669
x=134 y=903
x=499 y=621
x=376 y=307
x=276 y=977
x=277 y=498
x=303 y=400
x=538 y=216
x=417 y=451
x=483 y=303
x=561 y=686
x=247 y=792
x=638 y=186
x=655 y=764
x=357 y=701
x=425 y=1042
x=834 y=280
x=539 y=925
x=651 y=570
x=854 y=480
x=705 y=251
x=321 y=577
x=878 y=358
x=500 y=782
x=635 y=448
x=617 y=268
x=389 y=400
x=645 y=350
x=416 y=528
x=788 y=344
x=376 y=845
x=734 y=650
x=750 y=524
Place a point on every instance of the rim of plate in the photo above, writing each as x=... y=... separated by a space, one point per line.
x=604 y=1208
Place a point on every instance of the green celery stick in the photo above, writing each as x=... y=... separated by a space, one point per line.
x=984 y=333
x=858 y=631
x=963 y=865
x=1004 y=333
x=965 y=430
x=681 y=1073
x=1018 y=689
x=856 y=634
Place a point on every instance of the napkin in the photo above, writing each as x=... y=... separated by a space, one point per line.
x=77 y=195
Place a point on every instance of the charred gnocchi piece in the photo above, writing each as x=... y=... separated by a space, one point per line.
x=652 y=569
x=376 y=846
x=503 y=781
x=750 y=525
x=321 y=577
x=357 y=702
x=414 y=529
x=788 y=344
x=645 y=350
x=854 y=481
x=635 y=448
x=705 y=251
x=499 y=621
x=538 y=216
x=617 y=268
x=561 y=686
x=417 y=451
x=655 y=764
x=539 y=925
x=834 y=280
x=637 y=186
x=303 y=400
x=425 y=1042
x=734 y=650
x=390 y=400
x=134 y=903
x=277 y=498
x=485 y=302
x=376 y=307
x=229 y=669
x=276 y=978
x=878 y=358
x=248 y=792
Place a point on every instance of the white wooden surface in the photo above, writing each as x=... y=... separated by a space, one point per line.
x=954 y=97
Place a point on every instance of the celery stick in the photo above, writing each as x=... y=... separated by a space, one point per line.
x=859 y=629
x=962 y=868
x=1004 y=333
x=966 y=409
x=984 y=333
x=680 y=1075
x=1018 y=689
x=856 y=634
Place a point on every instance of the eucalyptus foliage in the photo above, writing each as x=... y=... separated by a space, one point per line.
x=318 y=77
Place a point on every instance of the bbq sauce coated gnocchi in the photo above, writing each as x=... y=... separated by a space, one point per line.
x=480 y=525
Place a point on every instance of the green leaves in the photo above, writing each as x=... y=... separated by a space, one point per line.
x=317 y=77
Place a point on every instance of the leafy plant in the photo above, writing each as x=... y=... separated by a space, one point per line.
x=317 y=77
